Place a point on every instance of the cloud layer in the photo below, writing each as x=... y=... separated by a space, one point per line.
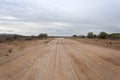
x=59 y=17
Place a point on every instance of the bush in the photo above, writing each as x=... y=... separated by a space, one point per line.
x=114 y=36
x=90 y=35
x=75 y=36
x=16 y=36
x=82 y=36
x=102 y=35
x=41 y=36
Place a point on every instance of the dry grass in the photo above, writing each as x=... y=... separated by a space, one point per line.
x=114 y=44
x=11 y=48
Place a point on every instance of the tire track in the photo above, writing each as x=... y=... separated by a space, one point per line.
x=19 y=66
x=61 y=59
x=100 y=68
x=66 y=64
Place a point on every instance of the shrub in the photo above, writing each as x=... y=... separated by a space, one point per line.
x=81 y=36
x=41 y=36
x=102 y=35
x=75 y=36
x=114 y=36
x=90 y=35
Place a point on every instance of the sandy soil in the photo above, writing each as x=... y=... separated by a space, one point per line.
x=62 y=59
x=12 y=47
x=109 y=43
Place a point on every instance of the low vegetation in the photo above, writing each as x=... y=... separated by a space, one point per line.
x=101 y=35
x=102 y=39
x=16 y=37
x=91 y=35
x=11 y=48
x=42 y=36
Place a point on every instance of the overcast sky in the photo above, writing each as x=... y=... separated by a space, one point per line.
x=59 y=17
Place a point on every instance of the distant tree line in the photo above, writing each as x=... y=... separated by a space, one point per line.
x=14 y=37
x=101 y=35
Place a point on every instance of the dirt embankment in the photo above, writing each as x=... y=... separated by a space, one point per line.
x=114 y=44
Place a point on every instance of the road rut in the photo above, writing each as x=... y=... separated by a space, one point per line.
x=63 y=59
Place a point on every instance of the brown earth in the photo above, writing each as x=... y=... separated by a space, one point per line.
x=12 y=47
x=109 y=43
x=62 y=59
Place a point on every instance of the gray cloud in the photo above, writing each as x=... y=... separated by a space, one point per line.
x=59 y=17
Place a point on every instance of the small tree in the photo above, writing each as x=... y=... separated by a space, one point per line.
x=75 y=36
x=102 y=35
x=41 y=36
x=45 y=35
x=90 y=35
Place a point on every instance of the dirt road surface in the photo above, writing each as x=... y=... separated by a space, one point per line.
x=62 y=59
